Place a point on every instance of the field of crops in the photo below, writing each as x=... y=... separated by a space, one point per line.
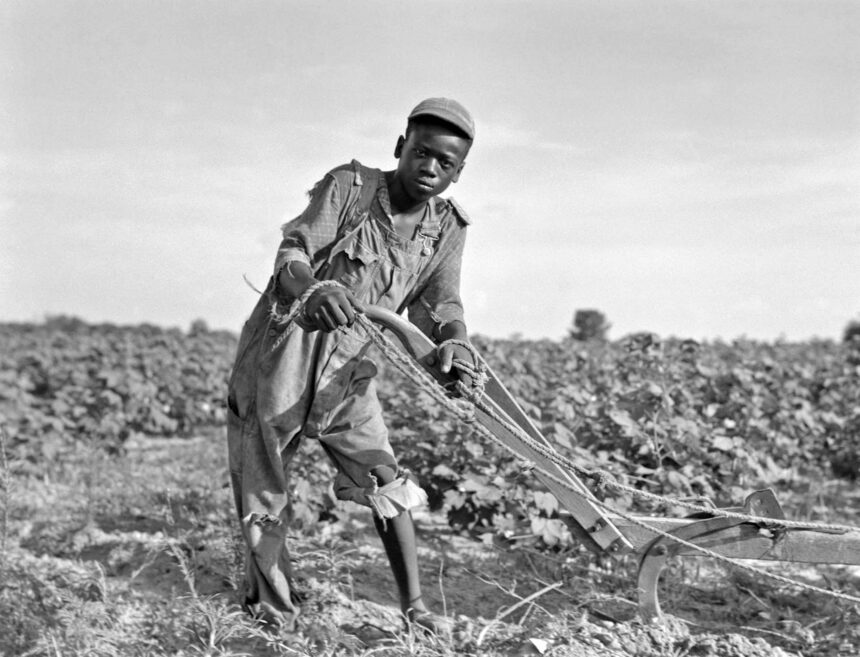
x=118 y=536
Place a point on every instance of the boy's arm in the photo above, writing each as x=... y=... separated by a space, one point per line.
x=305 y=236
x=438 y=310
x=455 y=330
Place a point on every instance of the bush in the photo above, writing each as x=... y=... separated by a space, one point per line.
x=589 y=325
x=852 y=332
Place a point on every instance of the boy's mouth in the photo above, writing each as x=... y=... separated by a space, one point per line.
x=426 y=185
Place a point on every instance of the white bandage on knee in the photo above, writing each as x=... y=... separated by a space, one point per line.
x=392 y=499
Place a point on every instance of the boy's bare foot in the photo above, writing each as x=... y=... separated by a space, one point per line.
x=427 y=621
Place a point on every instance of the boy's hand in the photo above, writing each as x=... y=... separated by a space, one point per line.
x=331 y=307
x=447 y=353
x=328 y=308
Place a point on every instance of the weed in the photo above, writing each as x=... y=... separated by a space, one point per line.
x=5 y=496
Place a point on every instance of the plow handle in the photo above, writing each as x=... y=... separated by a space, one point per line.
x=421 y=348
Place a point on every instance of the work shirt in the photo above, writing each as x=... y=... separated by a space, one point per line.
x=428 y=287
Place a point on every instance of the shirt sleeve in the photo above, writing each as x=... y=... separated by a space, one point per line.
x=439 y=302
x=313 y=229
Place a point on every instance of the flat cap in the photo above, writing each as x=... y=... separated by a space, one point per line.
x=449 y=111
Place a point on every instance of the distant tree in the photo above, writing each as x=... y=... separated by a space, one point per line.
x=65 y=323
x=852 y=332
x=589 y=324
x=198 y=327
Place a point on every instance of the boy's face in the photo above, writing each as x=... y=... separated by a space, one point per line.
x=431 y=158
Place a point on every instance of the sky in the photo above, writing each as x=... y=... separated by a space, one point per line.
x=689 y=168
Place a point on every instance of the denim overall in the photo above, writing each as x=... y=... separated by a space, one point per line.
x=288 y=383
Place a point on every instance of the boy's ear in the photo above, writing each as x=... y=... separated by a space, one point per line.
x=457 y=173
x=398 y=149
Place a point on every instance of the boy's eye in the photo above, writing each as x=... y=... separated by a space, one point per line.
x=420 y=152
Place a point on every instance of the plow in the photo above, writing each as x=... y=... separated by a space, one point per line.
x=756 y=530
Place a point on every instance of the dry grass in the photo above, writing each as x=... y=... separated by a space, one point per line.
x=139 y=555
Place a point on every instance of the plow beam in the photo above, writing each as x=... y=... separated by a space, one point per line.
x=748 y=540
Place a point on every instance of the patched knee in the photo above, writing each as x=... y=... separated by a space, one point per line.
x=391 y=493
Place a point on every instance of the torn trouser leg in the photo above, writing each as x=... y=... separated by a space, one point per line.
x=269 y=593
x=260 y=487
x=267 y=406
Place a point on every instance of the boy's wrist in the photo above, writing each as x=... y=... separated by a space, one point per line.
x=295 y=278
x=454 y=330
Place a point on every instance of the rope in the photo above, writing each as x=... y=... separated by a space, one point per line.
x=297 y=308
x=408 y=367
x=476 y=370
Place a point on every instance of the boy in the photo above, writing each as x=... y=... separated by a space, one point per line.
x=386 y=239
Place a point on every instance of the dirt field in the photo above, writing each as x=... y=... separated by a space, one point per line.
x=138 y=555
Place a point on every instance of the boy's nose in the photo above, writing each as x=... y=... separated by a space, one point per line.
x=429 y=166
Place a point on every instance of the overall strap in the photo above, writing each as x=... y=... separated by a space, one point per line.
x=368 y=180
x=431 y=224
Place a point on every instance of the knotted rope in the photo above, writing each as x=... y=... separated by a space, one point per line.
x=296 y=309
x=475 y=370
